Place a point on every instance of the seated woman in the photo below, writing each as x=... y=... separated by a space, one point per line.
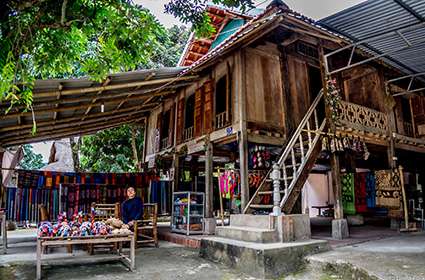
x=132 y=208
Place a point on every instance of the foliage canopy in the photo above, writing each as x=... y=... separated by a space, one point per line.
x=31 y=160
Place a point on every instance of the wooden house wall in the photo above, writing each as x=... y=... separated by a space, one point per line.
x=152 y=123
x=264 y=95
x=299 y=99
x=364 y=85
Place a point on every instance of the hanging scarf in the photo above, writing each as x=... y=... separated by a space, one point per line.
x=370 y=190
x=348 y=203
x=360 y=192
x=388 y=192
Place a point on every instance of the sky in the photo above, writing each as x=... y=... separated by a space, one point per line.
x=315 y=9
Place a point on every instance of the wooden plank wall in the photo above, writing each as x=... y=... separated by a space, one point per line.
x=363 y=85
x=264 y=87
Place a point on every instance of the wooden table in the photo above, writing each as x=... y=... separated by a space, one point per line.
x=322 y=207
x=88 y=240
x=3 y=230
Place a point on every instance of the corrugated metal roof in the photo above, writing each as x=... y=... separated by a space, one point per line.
x=68 y=107
x=373 y=18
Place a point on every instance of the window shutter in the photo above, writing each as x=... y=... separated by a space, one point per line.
x=198 y=113
x=208 y=100
x=171 y=126
x=180 y=120
x=158 y=133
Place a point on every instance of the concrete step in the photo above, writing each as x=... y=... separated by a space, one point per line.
x=248 y=234
x=247 y=220
x=261 y=261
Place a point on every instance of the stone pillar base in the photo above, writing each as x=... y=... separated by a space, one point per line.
x=340 y=229
x=209 y=225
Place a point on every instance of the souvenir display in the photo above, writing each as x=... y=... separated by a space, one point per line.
x=347 y=182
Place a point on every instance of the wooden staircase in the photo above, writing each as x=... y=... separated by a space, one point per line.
x=295 y=163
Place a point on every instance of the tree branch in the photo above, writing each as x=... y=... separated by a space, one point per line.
x=63 y=15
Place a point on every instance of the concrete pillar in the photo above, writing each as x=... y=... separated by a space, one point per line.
x=209 y=220
x=209 y=191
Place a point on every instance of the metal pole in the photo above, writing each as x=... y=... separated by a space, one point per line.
x=275 y=176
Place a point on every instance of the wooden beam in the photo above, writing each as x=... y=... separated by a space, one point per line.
x=64 y=133
x=72 y=124
x=73 y=119
x=69 y=108
x=105 y=83
x=130 y=94
x=112 y=87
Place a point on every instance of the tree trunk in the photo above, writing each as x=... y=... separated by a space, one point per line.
x=75 y=148
x=134 y=147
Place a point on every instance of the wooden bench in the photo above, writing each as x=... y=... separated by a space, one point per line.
x=129 y=260
x=102 y=212
x=146 y=230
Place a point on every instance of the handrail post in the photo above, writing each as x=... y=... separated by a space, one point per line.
x=275 y=176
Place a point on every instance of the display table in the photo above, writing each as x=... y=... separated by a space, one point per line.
x=319 y=208
x=3 y=230
x=44 y=242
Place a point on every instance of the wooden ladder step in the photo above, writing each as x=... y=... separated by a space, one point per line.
x=261 y=206
x=268 y=192
x=287 y=178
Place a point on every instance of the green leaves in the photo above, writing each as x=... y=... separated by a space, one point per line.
x=110 y=150
x=31 y=160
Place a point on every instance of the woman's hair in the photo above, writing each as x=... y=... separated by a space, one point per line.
x=131 y=188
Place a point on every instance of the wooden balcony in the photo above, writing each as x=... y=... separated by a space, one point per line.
x=221 y=120
x=187 y=134
x=362 y=118
x=164 y=143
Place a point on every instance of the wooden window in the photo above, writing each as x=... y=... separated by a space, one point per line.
x=189 y=118
x=165 y=129
x=222 y=102
x=308 y=50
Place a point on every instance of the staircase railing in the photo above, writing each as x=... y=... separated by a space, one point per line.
x=304 y=127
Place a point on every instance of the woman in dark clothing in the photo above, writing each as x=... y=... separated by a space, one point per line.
x=132 y=208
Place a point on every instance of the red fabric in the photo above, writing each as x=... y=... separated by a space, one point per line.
x=360 y=192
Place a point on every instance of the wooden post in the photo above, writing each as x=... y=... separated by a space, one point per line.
x=221 y=198
x=403 y=192
x=134 y=148
x=38 y=273
x=243 y=136
x=145 y=142
x=334 y=159
x=209 y=191
x=412 y=117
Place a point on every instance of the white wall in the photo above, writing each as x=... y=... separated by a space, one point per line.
x=317 y=191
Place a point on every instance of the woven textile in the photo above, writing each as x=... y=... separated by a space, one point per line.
x=388 y=192
x=370 y=190
x=348 y=198
x=360 y=192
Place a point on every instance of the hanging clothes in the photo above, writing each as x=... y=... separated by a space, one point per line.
x=388 y=189
x=228 y=183
x=360 y=192
x=370 y=190
x=348 y=197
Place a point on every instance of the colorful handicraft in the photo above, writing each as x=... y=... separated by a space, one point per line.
x=370 y=190
x=388 y=189
x=360 y=192
x=45 y=229
x=228 y=182
x=348 y=203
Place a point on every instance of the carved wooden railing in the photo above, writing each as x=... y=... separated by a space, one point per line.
x=362 y=118
x=188 y=133
x=220 y=120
